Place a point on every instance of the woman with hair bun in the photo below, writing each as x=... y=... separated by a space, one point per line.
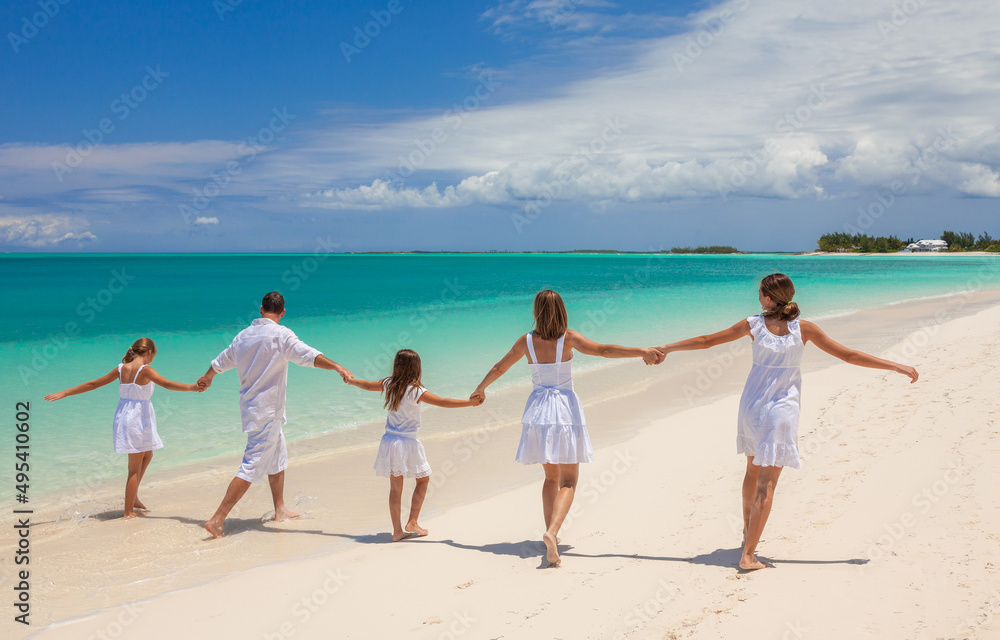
x=135 y=422
x=769 y=408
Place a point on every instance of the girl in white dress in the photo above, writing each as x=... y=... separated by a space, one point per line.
x=400 y=454
x=768 y=421
x=553 y=429
x=134 y=427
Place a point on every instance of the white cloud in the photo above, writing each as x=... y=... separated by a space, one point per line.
x=772 y=98
x=43 y=231
x=848 y=108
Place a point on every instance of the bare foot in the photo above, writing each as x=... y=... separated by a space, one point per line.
x=214 y=528
x=139 y=505
x=130 y=515
x=750 y=563
x=402 y=535
x=415 y=529
x=551 y=549
x=284 y=514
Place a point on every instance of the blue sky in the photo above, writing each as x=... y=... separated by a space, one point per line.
x=502 y=124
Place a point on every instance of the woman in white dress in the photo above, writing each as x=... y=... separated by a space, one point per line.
x=134 y=426
x=554 y=431
x=769 y=408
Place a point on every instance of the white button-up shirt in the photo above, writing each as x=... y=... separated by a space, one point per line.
x=261 y=354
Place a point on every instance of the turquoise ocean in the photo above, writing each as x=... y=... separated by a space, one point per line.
x=70 y=318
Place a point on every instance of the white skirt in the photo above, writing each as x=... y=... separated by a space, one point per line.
x=401 y=456
x=554 y=444
x=134 y=429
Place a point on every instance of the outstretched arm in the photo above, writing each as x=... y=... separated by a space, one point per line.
x=367 y=385
x=735 y=332
x=518 y=351
x=322 y=362
x=85 y=387
x=587 y=346
x=852 y=356
x=450 y=403
x=170 y=385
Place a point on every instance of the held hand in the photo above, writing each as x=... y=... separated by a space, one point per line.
x=346 y=375
x=908 y=371
x=52 y=397
x=652 y=356
x=204 y=382
x=479 y=396
x=197 y=388
x=476 y=400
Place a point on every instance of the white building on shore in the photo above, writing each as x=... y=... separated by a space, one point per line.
x=927 y=245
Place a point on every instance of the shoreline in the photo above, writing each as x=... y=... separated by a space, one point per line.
x=363 y=436
x=868 y=452
x=472 y=461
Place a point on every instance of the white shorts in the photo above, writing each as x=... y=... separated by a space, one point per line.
x=265 y=454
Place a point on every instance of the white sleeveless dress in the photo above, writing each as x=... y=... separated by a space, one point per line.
x=553 y=428
x=768 y=426
x=399 y=451
x=135 y=421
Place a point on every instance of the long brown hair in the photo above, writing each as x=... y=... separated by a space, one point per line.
x=405 y=371
x=551 y=320
x=140 y=347
x=779 y=288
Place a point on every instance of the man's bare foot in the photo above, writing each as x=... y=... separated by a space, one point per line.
x=284 y=514
x=402 y=535
x=750 y=563
x=214 y=528
x=415 y=529
x=551 y=549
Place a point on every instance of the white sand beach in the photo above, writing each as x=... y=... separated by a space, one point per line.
x=890 y=529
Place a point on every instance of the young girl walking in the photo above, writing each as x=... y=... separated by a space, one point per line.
x=134 y=426
x=553 y=428
x=768 y=423
x=400 y=454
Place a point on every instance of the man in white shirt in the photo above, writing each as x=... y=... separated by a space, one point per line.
x=261 y=353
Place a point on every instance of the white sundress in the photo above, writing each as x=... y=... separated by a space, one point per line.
x=134 y=427
x=399 y=451
x=768 y=426
x=553 y=428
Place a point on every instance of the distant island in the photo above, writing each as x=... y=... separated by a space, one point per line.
x=711 y=249
x=955 y=242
